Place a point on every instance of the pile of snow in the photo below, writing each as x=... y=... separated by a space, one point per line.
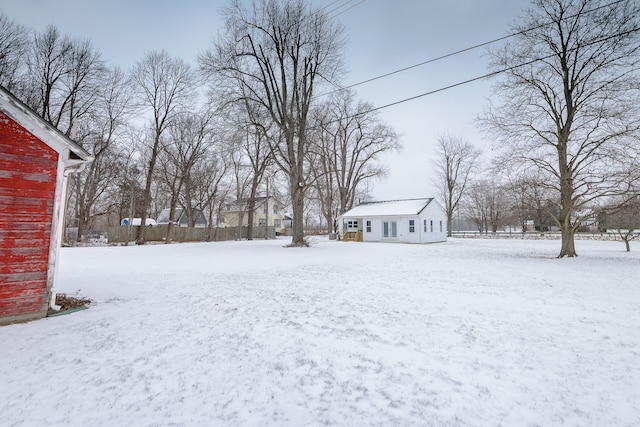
x=468 y=332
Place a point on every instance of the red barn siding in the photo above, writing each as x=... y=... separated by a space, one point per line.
x=28 y=169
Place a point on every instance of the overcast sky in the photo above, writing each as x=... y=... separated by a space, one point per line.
x=383 y=36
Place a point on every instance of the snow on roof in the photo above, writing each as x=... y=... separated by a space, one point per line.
x=389 y=208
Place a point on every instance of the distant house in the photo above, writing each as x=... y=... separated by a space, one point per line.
x=35 y=159
x=181 y=219
x=406 y=221
x=266 y=212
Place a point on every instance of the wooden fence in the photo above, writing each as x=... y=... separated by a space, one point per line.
x=158 y=233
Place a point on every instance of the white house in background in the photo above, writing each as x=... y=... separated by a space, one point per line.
x=405 y=221
x=266 y=211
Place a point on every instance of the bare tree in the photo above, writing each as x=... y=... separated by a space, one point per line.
x=104 y=122
x=623 y=218
x=65 y=77
x=273 y=55
x=165 y=85
x=190 y=137
x=476 y=207
x=570 y=98
x=211 y=185
x=455 y=161
x=623 y=213
x=13 y=49
x=487 y=205
x=204 y=146
x=252 y=132
x=349 y=140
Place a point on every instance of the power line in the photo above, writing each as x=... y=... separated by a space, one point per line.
x=331 y=4
x=347 y=9
x=461 y=50
x=485 y=76
x=337 y=7
x=474 y=79
x=451 y=86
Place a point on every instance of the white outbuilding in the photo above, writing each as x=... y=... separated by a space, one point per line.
x=404 y=221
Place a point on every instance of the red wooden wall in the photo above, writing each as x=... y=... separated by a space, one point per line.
x=28 y=170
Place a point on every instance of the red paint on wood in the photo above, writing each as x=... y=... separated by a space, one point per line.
x=25 y=205
x=24 y=264
x=23 y=277
x=14 y=306
x=39 y=193
x=28 y=173
x=21 y=289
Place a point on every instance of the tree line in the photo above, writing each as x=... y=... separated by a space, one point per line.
x=565 y=131
x=168 y=134
x=563 y=122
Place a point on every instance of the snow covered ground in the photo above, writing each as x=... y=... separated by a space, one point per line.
x=469 y=332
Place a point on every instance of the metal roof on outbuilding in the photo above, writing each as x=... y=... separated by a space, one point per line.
x=389 y=208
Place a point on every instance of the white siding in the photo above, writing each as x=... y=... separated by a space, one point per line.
x=376 y=230
x=403 y=230
x=403 y=233
x=433 y=212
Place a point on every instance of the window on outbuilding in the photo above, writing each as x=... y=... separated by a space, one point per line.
x=431 y=225
x=412 y=226
x=368 y=227
x=441 y=226
x=425 y=225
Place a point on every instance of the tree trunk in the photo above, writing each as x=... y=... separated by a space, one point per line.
x=626 y=242
x=568 y=233
x=147 y=190
x=146 y=200
x=566 y=192
x=172 y=214
x=81 y=222
x=568 y=247
x=252 y=208
x=297 y=200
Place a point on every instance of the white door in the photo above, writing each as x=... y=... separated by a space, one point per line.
x=389 y=229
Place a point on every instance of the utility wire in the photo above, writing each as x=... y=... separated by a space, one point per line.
x=346 y=3
x=347 y=9
x=474 y=79
x=485 y=76
x=451 y=86
x=331 y=4
x=337 y=7
x=461 y=50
